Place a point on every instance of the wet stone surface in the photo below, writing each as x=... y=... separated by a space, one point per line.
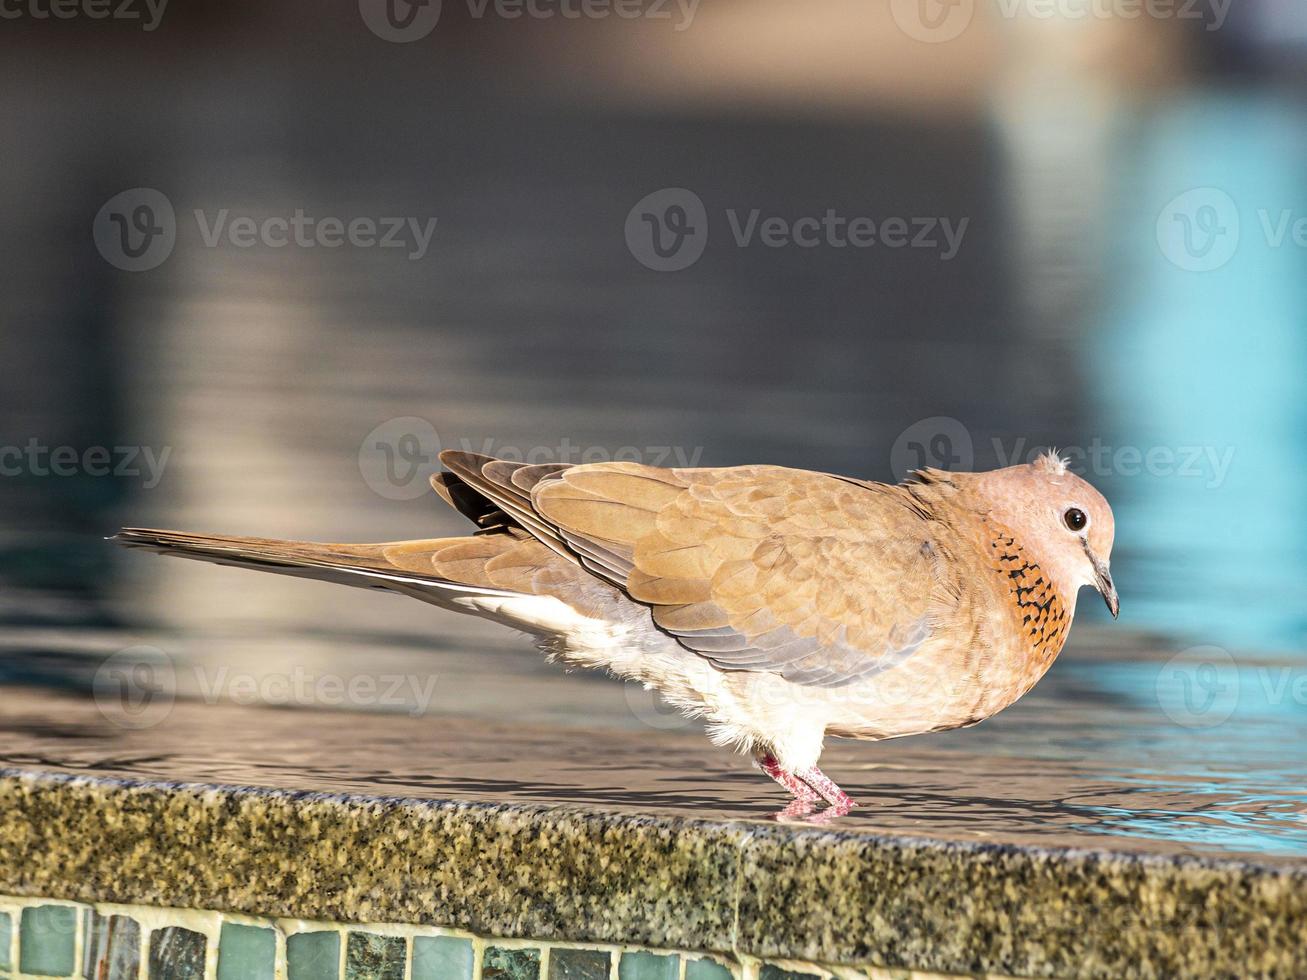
x=176 y=954
x=1083 y=825
x=111 y=946
x=578 y=964
x=500 y=963
x=371 y=957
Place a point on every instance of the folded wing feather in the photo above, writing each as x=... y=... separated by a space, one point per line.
x=756 y=568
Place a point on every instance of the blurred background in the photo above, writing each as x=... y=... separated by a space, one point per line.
x=261 y=260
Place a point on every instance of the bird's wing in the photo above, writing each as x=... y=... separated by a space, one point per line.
x=822 y=580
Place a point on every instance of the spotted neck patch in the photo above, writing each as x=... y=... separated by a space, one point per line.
x=1041 y=614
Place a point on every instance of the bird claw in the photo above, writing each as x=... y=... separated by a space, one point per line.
x=827 y=789
x=809 y=788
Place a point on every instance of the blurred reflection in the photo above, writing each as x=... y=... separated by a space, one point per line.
x=1065 y=317
x=1203 y=353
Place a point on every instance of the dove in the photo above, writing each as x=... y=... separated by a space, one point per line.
x=781 y=606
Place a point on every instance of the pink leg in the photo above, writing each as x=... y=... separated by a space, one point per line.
x=826 y=787
x=799 y=789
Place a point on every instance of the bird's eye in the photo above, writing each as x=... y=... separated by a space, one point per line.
x=1075 y=519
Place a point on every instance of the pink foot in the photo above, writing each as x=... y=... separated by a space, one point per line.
x=826 y=788
x=799 y=789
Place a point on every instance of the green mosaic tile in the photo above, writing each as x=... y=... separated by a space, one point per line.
x=770 y=971
x=578 y=964
x=499 y=963
x=6 y=941
x=371 y=957
x=111 y=946
x=177 y=954
x=246 y=952
x=47 y=941
x=313 y=956
x=706 y=969
x=648 y=966
x=442 y=958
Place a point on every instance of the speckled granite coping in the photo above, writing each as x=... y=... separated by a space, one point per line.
x=540 y=872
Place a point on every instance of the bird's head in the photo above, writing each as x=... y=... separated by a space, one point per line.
x=1063 y=521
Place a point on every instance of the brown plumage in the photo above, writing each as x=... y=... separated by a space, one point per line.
x=781 y=605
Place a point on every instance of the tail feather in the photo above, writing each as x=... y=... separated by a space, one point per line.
x=405 y=566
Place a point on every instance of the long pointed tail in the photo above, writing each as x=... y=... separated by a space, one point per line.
x=402 y=566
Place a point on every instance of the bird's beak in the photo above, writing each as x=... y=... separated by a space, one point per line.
x=1103 y=582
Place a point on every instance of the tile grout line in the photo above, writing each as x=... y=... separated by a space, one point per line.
x=738 y=897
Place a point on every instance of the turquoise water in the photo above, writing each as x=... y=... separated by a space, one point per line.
x=1213 y=361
